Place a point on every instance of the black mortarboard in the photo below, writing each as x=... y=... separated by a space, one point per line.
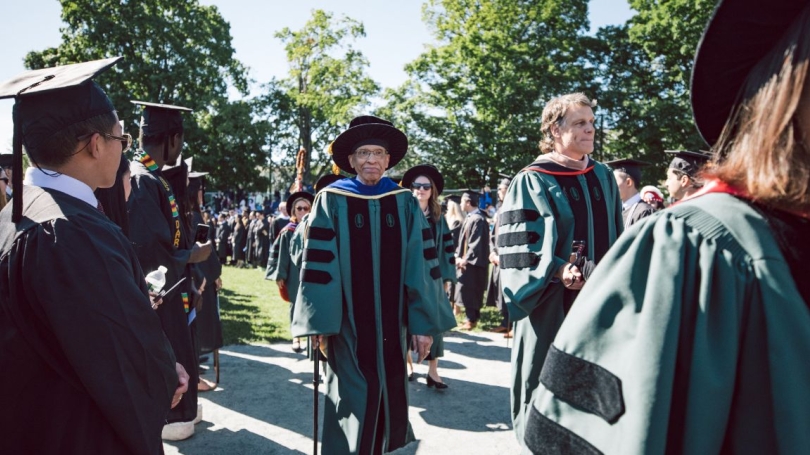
x=630 y=167
x=327 y=180
x=369 y=130
x=6 y=159
x=427 y=170
x=472 y=195
x=48 y=100
x=196 y=180
x=688 y=162
x=192 y=174
x=161 y=118
x=739 y=34
x=177 y=175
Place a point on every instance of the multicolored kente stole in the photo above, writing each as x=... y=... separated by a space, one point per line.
x=150 y=164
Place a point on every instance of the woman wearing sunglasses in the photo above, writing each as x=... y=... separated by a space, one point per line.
x=281 y=269
x=427 y=184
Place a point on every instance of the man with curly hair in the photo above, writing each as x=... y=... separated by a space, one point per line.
x=559 y=217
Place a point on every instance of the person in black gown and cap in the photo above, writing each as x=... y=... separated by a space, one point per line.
x=628 y=178
x=5 y=165
x=157 y=233
x=683 y=174
x=86 y=366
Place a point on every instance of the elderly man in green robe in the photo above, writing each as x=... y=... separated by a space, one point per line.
x=369 y=273
x=559 y=217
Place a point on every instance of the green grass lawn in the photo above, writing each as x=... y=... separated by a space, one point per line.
x=252 y=311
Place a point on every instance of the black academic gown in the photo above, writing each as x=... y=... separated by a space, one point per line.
x=474 y=247
x=250 y=235
x=86 y=368
x=494 y=294
x=223 y=238
x=631 y=215
x=275 y=228
x=239 y=241
x=264 y=242
x=209 y=326
x=158 y=237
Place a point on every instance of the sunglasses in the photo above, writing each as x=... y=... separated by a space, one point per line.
x=125 y=140
x=301 y=209
x=420 y=186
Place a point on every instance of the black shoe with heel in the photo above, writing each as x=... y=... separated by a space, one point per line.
x=433 y=383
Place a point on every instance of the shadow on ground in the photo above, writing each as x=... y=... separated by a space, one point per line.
x=264 y=403
x=235 y=442
x=465 y=405
x=476 y=346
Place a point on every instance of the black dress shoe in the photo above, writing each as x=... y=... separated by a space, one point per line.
x=410 y=377
x=433 y=383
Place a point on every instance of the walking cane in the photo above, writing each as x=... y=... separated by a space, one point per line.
x=315 y=382
x=216 y=364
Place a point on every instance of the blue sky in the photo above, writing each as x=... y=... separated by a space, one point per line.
x=395 y=34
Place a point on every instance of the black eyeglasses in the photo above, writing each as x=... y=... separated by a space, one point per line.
x=301 y=209
x=126 y=139
x=421 y=186
x=365 y=154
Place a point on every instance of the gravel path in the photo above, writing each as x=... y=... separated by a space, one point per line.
x=264 y=402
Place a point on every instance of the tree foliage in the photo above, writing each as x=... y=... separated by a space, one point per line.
x=326 y=86
x=482 y=88
x=472 y=104
x=175 y=52
x=235 y=143
x=644 y=68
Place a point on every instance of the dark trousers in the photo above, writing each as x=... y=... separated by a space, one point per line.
x=472 y=283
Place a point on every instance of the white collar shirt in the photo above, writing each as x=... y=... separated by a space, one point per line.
x=61 y=182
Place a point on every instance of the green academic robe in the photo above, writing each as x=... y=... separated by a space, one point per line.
x=536 y=232
x=281 y=267
x=690 y=337
x=369 y=270
x=296 y=258
x=446 y=249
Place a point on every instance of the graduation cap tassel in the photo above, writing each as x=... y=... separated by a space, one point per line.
x=16 y=166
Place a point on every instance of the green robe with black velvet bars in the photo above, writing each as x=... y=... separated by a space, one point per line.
x=690 y=337
x=369 y=271
x=446 y=250
x=280 y=265
x=546 y=208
